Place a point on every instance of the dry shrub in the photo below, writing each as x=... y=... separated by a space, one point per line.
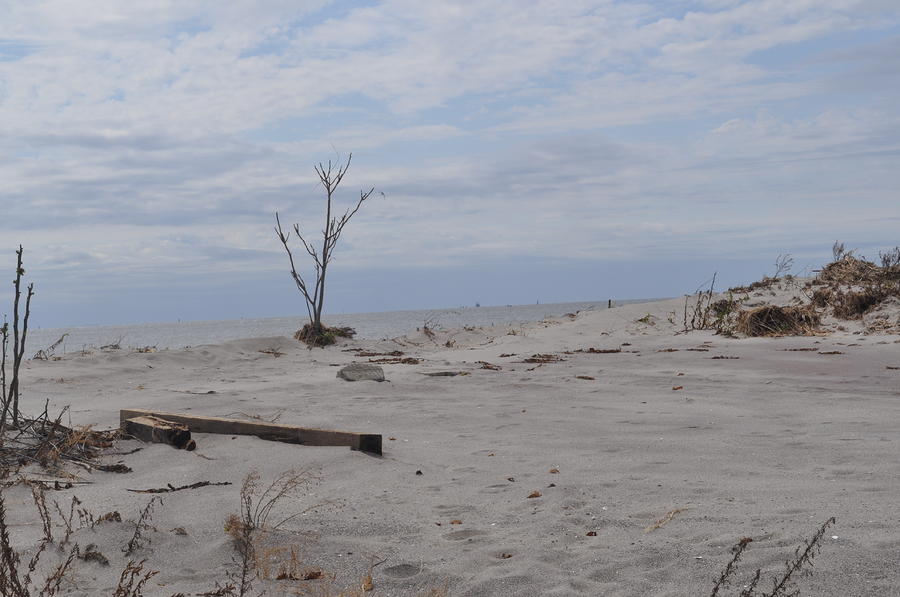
x=852 y=305
x=821 y=297
x=850 y=270
x=770 y=320
x=247 y=528
x=851 y=286
x=763 y=284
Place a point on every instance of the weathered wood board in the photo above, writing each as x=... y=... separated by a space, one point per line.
x=156 y=430
x=364 y=442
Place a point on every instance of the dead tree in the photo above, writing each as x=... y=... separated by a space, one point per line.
x=330 y=175
x=10 y=396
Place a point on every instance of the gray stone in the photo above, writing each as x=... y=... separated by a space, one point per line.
x=361 y=372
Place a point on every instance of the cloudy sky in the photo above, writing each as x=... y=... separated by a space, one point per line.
x=528 y=150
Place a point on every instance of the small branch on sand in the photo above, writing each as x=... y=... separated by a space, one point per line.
x=666 y=519
x=169 y=488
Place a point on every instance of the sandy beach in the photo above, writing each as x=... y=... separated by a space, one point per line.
x=706 y=438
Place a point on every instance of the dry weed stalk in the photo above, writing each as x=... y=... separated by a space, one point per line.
x=85 y=518
x=15 y=584
x=247 y=527
x=133 y=579
x=729 y=568
x=38 y=494
x=706 y=314
x=143 y=524
x=783 y=584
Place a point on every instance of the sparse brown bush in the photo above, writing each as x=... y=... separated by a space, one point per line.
x=851 y=285
x=850 y=270
x=246 y=527
x=707 y=314
x=763 y=284
x=852 y=305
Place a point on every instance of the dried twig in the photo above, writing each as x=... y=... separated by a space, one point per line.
x=170 y=488
x=666 y=519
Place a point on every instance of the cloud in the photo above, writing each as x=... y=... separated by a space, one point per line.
x=157 y=138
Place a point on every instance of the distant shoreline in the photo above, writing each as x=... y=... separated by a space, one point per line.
x=374 y=325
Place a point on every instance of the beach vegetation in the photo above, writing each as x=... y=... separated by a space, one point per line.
x=330 y=175
x=770 y=320
x=9 y=394
x=784 y=583
x=248 y=527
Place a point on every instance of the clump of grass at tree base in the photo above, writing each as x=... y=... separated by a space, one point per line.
x=322 y=337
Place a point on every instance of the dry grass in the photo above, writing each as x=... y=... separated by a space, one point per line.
x=772 y=320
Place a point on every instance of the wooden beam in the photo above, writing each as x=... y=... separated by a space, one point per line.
x=156 y=430
x=364 y=442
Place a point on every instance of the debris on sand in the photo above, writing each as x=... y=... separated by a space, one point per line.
x=772 y=320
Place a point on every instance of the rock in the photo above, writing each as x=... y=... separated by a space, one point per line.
x=361 y=372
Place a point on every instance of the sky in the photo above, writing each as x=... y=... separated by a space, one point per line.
x=549 y=150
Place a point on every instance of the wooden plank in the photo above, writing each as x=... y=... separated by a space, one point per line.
x=155 y=430
x=364 y=442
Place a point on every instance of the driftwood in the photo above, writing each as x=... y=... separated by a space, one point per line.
x=364 y=442
x=170 y=488
x=151 y=429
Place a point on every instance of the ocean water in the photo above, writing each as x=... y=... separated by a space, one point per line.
x=387 y=324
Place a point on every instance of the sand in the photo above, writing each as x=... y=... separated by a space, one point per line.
x=766 y=444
